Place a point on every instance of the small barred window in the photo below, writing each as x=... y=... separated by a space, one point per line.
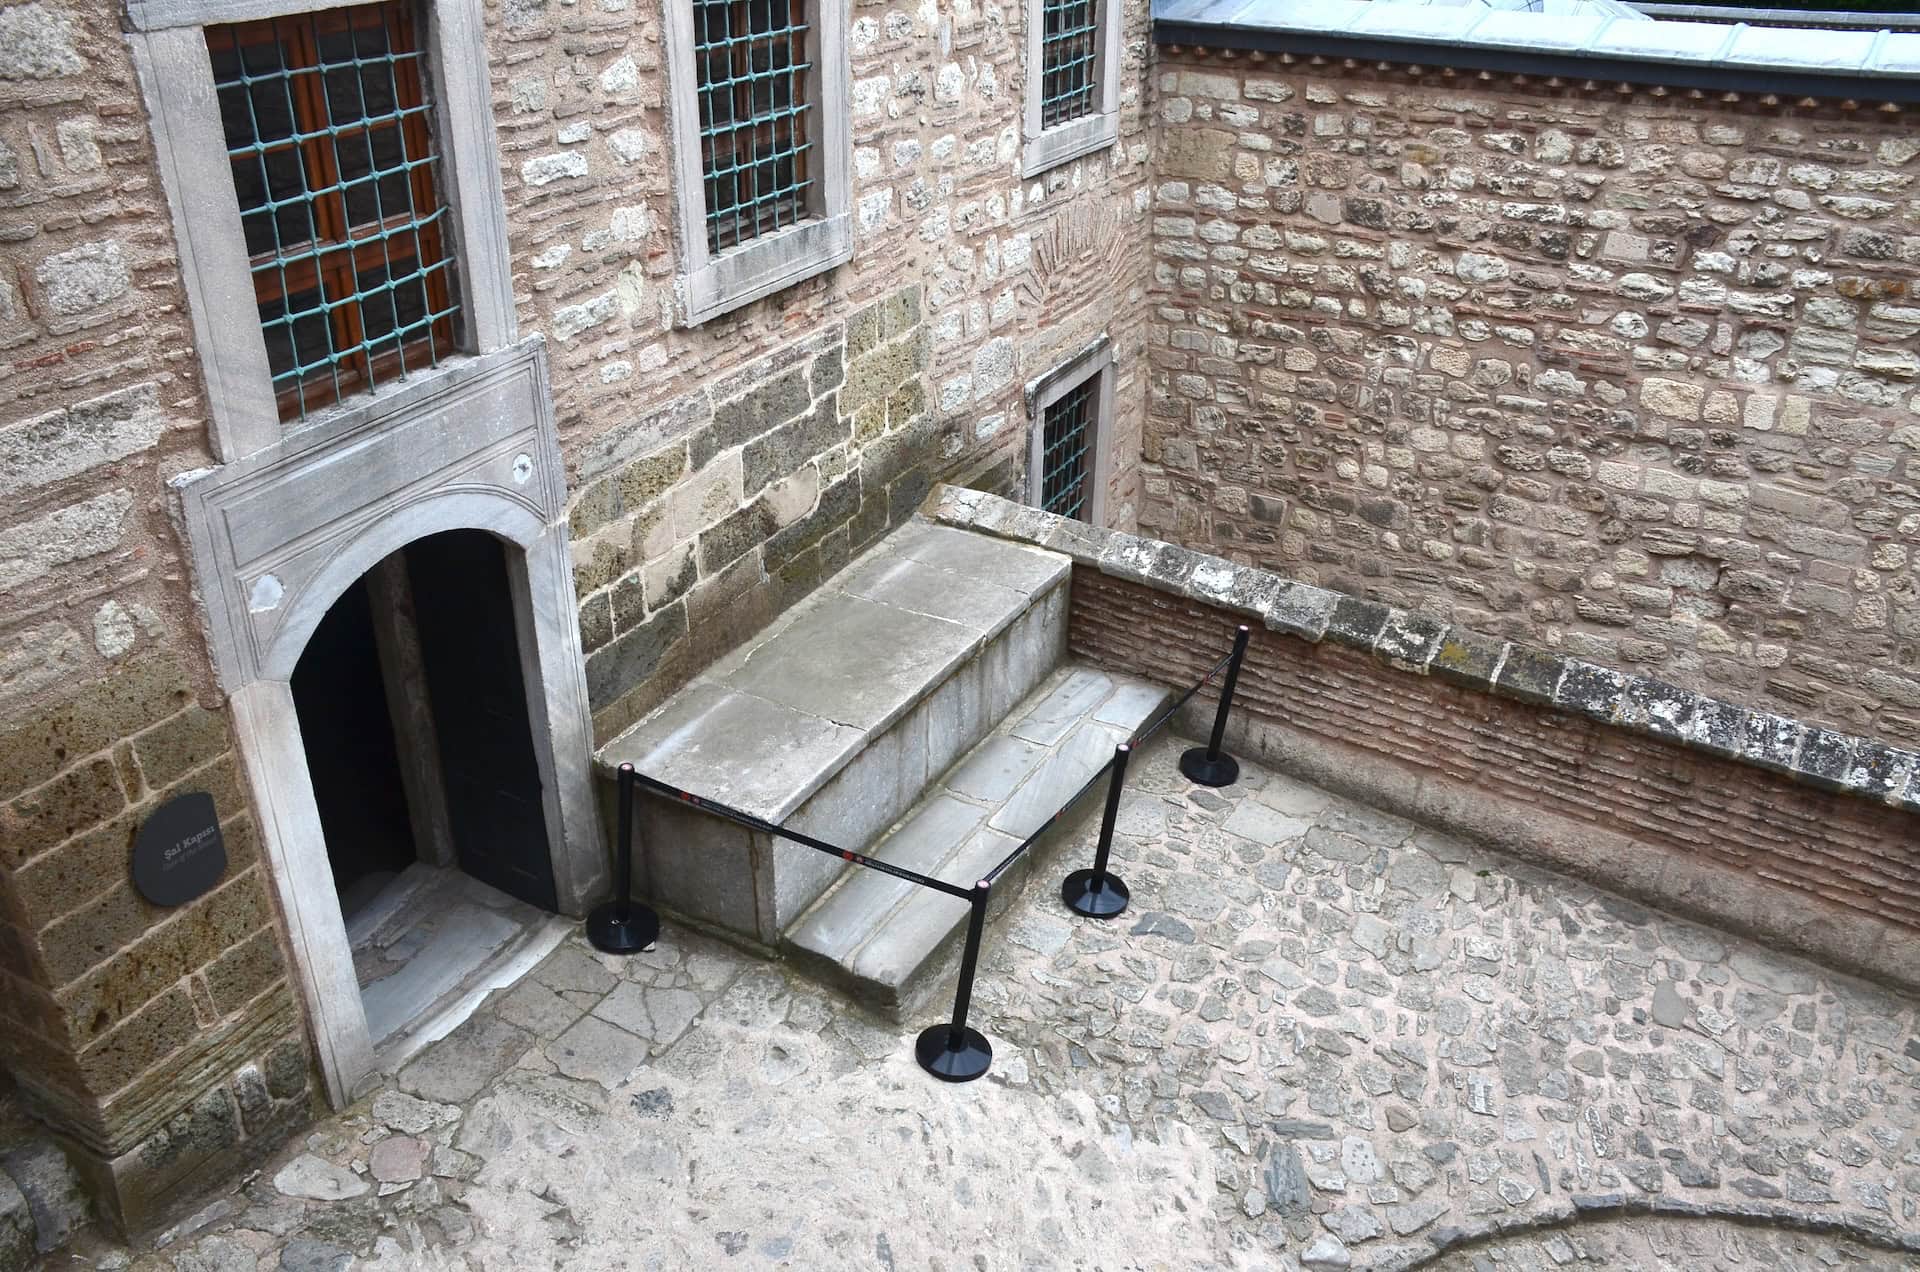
x=1068 y=49
x=1066 y=468
x=751 y=62
x=329 y=136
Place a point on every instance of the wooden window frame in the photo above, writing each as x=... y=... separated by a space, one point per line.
x=329 y=271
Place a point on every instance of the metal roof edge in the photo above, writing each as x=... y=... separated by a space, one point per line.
x=1880 y=83
x=1883 y=65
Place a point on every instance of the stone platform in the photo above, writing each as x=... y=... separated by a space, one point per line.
x=833 y=719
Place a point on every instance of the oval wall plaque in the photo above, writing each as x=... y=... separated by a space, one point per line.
x=178 y=854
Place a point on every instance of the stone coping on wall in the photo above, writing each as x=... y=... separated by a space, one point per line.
x=1880 y=65
x=1424 y=646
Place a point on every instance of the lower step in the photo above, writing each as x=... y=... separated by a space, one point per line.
x=888 y=942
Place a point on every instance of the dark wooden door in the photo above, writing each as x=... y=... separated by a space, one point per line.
x=463 y=607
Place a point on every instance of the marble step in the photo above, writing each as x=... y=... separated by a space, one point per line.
x=831 y=721
x=888 y=942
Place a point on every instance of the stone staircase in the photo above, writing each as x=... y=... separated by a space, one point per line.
x=918 y=708
x=888 y=942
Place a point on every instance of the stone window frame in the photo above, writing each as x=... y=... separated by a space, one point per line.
x=1094 y=361
x=1050 y=147
x=711 y=284
x=176 y=80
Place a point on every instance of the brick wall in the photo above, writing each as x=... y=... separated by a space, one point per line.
x=1674 y=826
x=966 y=282
x=1630 y=376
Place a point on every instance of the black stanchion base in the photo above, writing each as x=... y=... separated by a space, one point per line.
x=1097 y=896
x=939 y=1057
x=1222 y=770
x=622 y=927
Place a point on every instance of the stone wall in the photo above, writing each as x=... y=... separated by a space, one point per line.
x=717 y=473
x=1754 y=823
x=985 y=282
x=158 y=1042
x=702 y=520
x=1629 y=375
x=155 y=1040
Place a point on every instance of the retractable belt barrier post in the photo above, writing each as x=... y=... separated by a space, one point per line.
x=1209 y=765
x=954 y=1052
x=1095 y=893
x=620 y=926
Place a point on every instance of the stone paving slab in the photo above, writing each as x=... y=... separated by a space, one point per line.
x=1322 y=1038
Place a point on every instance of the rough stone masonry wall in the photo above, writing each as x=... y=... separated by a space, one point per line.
x=158 y=1041
x=1631 y=377
x=966 y=282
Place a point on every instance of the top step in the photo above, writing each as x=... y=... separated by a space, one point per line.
x=770 y=724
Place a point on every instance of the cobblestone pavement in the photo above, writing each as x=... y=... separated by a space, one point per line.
x=1321 y=1038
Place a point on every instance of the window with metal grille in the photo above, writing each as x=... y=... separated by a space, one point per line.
x=330 y=140
x=1065 y=468
x=1068 y=47
x=750 y=58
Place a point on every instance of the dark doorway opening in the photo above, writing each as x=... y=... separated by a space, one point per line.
x=351 y=754
x=464 y=609
x=456 y=630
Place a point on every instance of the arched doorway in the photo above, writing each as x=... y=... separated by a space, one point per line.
x=280 y=536
x=415 y=724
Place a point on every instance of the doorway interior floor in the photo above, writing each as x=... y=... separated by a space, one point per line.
x=430 y=945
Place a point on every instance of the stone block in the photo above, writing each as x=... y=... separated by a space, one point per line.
x=37 y=42
x=1658 y=708
x=141 y=961
x=596 y=622
x=77 y=800
x=1824 y=759
x=837 y=505
x=180 y=744
x=1299 y=609
x=1466 y=659
x=879 y=784
x=83 y=278
x=632 y=657
x=143 y=1040
x=34 y=548
x=1878 y=771
x=244 y=972
x=1596 y=692
x=756 y=412
x=1772 y=741
x=789 y=447
x=1409 y=641
x=734 y=536
x=1529 y=675
x=100 y=713
x=1356 y=623
x=855 y=661
x=62 y=444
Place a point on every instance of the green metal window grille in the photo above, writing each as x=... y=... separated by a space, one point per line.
x=750 y=58
x=1065 y=479
x=1067 y=44
x=329 y=137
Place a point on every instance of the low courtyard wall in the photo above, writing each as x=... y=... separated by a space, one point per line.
x=1799 y=836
